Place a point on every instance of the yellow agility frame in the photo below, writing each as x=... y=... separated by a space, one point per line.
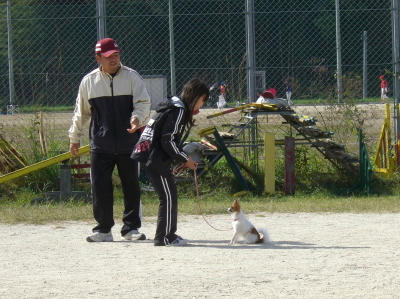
x=384 y=160
x=42 y=164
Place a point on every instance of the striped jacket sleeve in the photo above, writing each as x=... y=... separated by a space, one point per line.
x=171 y=134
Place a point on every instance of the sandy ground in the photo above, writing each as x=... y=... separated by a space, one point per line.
x=311 y=256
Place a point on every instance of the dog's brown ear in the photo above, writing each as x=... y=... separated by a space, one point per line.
x=236 y=205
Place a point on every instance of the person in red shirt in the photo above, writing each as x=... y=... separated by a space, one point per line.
x=384 y=88
x=222 y=96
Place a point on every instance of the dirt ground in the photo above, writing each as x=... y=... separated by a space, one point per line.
x=310 y=256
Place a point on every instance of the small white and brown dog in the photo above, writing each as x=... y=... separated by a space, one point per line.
x=243 y=229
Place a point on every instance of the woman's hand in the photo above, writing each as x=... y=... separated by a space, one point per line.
x=190 y=164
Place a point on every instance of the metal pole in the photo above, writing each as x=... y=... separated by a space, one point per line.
x=172 y=48
x=101 y=19
x=290 y=178
x=365 y=70
x=250 y=49
x=65 y=181
x=396 y=66
x=10 y=59
x=339 y=55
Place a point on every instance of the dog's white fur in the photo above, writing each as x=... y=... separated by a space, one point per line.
x=243 y=229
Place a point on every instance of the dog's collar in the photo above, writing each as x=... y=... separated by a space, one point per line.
x=235 y=219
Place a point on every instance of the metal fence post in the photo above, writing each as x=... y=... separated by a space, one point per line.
x=65 y=180
x=250 y=49
x=396 y=67
x=171 y=47
x=101 y=19
x=365 y=65
x=290 y=156
x=10 y=56
x=365 y=165
x=339 y=55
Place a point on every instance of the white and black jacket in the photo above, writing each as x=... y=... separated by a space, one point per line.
x=110 y=102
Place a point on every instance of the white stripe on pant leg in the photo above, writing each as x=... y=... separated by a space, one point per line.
x=169 y=207
x=140 y=202
x=166 y=195
x=168 y=221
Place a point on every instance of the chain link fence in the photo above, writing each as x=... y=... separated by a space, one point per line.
x=295 y=44
x=170 y=42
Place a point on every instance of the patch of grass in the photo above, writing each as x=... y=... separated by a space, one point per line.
x=38 y=108
x=23 y=210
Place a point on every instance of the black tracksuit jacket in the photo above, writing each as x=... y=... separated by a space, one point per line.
x=166 y=135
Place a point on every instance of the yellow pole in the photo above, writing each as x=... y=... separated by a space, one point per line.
x=41 y=165
x=269 y=166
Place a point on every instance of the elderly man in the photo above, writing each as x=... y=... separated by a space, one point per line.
x=115 y=100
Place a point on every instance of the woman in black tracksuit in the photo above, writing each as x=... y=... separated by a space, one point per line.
x=166 y=136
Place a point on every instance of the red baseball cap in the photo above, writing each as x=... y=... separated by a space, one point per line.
x=270 y=93
x=106 y=47
x=381 y=77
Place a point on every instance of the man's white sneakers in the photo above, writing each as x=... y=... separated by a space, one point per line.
x=133 y=235
x=100 y=237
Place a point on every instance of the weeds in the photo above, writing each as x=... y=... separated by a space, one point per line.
x=47 y=178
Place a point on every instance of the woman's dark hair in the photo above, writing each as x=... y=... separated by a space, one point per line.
x=191 y=92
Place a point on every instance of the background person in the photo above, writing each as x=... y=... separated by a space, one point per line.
x=289 y=94
x=222 y=98
x=265 y=97
x=288 y=91
x=384 y=88
x=115 y=100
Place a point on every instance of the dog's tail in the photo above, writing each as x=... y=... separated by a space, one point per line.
x=264 y=237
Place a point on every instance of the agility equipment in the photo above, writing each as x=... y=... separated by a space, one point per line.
x=10 y=158
x=305 y=126
x=223 y=151
x=385 y=161
x=245 y=138
x=269 y=160
x=42 y=164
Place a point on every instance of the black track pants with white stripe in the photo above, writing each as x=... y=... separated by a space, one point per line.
x=168 y=209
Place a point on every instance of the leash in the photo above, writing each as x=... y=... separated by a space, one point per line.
x=198 y=202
